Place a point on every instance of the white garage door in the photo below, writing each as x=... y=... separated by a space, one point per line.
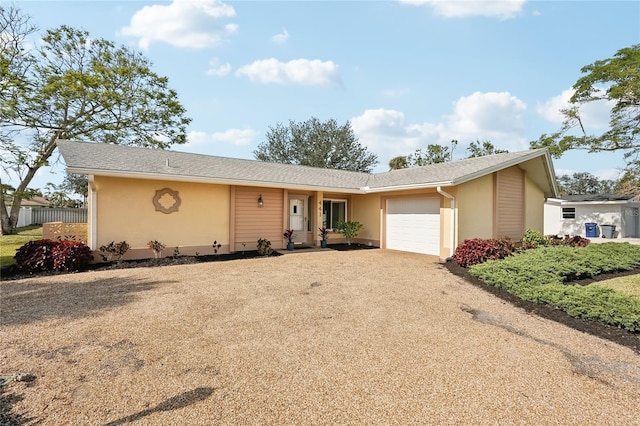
x=413 y=224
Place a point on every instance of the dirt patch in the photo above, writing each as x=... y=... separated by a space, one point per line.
x=320 y=337
x=595 y=328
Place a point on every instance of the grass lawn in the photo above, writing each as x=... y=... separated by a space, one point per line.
x=10 y=243
x=629 y=285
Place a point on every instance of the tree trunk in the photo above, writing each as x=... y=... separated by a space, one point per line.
x=9 y=221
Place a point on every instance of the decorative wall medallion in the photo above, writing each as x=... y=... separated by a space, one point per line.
x=166 y=200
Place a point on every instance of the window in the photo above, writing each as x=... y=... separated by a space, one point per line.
x=333 y=212
x=568 y=212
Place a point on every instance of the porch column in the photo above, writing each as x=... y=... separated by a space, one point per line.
x=319 y=197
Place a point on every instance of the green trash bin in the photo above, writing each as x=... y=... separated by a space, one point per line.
x=608 y=231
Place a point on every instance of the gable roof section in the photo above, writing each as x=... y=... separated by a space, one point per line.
x=537 y=163
x=124 y=161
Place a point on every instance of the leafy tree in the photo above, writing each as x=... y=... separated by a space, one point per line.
x=75 y=87
x=400 y=162
x=581 y=183
x=433 y=154
x=58 y=198
x=7 y=192
x=75 y=184
x=629 y=183
x=318 y=144
x=480 y=149
x=616 y=80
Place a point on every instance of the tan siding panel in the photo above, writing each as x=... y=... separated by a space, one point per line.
x=253 y=222
x=510 y=203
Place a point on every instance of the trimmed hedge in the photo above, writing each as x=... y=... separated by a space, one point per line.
x=541 y=276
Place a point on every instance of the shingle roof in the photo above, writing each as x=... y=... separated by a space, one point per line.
x=118 y=160
x=454 y=172
x=597 y=197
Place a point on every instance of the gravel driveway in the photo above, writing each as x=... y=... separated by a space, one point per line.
x=364 y=337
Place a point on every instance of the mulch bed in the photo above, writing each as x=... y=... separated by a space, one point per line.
x=595 y=328
x=349 y=247
x=12 y=273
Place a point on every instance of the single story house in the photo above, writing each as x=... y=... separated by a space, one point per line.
x=35 y=201
x=190 y=200
x=570 y=215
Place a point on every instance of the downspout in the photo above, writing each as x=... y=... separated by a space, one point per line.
x=93 y=212
x=453 y=219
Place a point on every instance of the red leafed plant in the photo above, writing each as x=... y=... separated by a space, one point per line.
x=35 y=255
x=478 y=250
x=71 y=256
x=47 y=255
x=288 y=234
x=323 y=233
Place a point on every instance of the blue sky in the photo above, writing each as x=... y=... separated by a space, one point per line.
x=404 y=73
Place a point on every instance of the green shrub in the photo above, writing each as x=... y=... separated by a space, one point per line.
x=113 y=249
x=541 y=276
x=533 y=238
x=349 y=229
x=156 y=247
x=264 y=247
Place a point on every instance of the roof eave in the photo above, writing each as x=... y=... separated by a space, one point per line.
x=219 y=181
x=595 y=202
x=423 y=185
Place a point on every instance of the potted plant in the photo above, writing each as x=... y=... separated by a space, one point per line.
x=324 y=234
x=288 y=234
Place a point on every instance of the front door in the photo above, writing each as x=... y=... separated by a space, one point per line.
x=297 y=218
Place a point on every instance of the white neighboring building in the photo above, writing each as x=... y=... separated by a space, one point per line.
x=570 y=214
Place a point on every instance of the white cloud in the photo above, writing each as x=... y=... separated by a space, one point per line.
x=550 y=110
x=281 y=37
x=387 y=133
x=393 y=93
x=608 y=174
x=237 y=137
x=183 y=23
x=594 y=115
x=303 y=72
x=503 y=9
x=480 y=116
x=602 y=174
x=491 y=114
x=217 y=69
